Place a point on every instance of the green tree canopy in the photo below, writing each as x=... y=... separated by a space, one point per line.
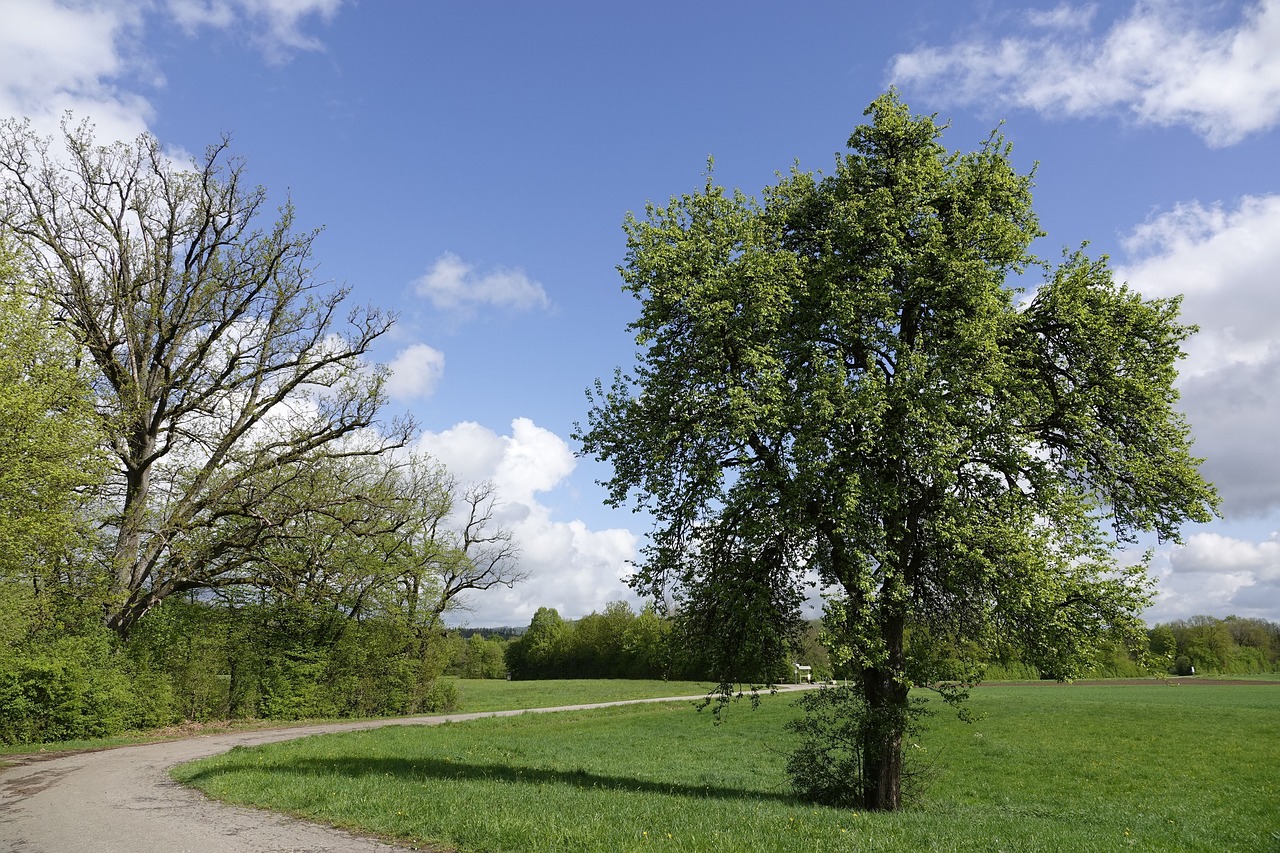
x=50 y=457
x=842 y=384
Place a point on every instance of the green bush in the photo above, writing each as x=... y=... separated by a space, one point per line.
x=828 y=766
x=68 y=691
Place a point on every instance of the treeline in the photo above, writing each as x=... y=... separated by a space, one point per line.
x=1200 y=645
x=64 y=676
x=473 y=653
x=1232 y=646
x=620 y=643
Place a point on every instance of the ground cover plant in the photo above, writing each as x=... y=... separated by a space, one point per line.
x=1052 y=767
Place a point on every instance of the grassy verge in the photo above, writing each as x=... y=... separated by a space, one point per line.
x=185 y=730
x=497 y=695
x=473 y=694
x=1054 y=768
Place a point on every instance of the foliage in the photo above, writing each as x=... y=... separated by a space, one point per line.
x=476 y=656
x=347 y=620
x=839 y=386
x=50 y=460
x=220 y=367
x=278 y=659
x=618 y=643
x=828 y=765
x=1234 y=645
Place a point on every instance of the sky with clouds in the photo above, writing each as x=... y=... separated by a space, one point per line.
x=471 y=165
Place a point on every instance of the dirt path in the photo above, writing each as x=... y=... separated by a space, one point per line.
x=122 y=800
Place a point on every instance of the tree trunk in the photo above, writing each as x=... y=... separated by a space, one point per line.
x=888 y=713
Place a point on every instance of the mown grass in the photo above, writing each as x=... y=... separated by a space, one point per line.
x=1045 y=769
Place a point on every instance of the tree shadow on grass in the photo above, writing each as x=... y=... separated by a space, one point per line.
x=425 y=770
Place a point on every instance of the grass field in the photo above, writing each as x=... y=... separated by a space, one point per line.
x=1053 y=768
x=497 y=695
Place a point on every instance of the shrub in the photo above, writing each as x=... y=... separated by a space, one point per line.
x=828 y=766
x=69 y=691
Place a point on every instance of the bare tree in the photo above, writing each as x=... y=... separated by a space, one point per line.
x=370 y=535
x=452 y=544
x=221 y=361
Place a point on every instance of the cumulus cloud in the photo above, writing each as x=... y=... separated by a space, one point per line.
x=415 y=372
x=453 y=284
x=89 y=58
x=56 y=57
x=571 y=567
x=1217 y=574
x=1163 y=64
x=1223 y=261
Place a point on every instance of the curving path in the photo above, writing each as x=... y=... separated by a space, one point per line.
x=122 y=800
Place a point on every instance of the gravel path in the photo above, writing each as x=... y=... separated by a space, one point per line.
x=122 y=800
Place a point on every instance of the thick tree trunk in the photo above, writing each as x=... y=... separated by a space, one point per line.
x=888 y=712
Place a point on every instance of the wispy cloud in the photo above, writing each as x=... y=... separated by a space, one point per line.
x=453 y=284
x=1063 y=17
x=276 y=26
x=1162 y=64
x=89 y=58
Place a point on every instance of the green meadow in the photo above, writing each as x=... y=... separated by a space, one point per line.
x=1045 y=768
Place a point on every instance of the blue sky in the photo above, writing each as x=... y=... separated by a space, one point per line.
x=471 y=164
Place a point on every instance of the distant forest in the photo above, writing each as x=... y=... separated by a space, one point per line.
x=622 y=644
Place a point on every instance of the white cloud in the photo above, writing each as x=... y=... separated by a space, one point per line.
x=453 y=284
x=415 y=372
x=89 y=57
x=1213 y=552
x=571 y=567
x=1223 y=261
x=1163 y=64
x=56 y=57
x=275 y=25
x=1217 y=574
x=1063 y=17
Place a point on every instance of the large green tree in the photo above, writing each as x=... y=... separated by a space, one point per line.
x=219 y=361
x=843 y=384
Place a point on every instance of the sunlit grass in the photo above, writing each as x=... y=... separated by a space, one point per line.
x=1045 y=768
x=478 y=694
